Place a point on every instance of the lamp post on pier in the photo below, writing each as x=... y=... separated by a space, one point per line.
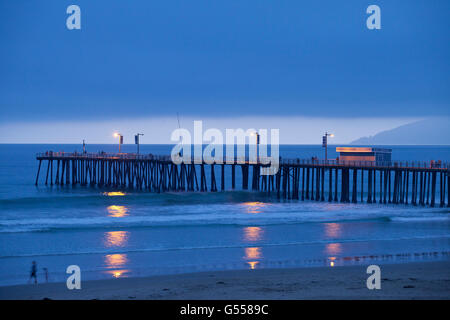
x=325 y=143
x=256 y=133
x=136 y=140
x=120 y=140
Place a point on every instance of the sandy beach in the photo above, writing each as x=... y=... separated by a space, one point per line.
x=418 y=280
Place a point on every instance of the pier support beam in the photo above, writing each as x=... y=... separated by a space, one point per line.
x=330 y=184
x=355 y=185
x=336 y=185
x=222 y=178
x=37 y=175
x=303 y=183
x=448 y=189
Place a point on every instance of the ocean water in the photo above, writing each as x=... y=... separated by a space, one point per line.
x=113 y=233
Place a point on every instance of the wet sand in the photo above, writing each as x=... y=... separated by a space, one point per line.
x=417 y=280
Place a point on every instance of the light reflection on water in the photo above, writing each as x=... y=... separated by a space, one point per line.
x=116 y=262
x=117 y=273
x=114 y=194
x=254 y=207
x=116 y=238
x=254 y=254
x=117 y=211
x=253 y=233
x=333 y=249
x=332 y=230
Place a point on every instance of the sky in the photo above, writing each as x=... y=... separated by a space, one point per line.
x=301 y=66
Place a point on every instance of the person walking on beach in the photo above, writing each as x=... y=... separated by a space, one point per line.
x=33 y=273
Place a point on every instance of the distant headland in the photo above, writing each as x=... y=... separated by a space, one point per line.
x=434 y=131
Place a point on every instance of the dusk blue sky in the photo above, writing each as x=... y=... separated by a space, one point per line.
x=222 y=59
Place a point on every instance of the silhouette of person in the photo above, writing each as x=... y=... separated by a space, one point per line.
x=33 y=272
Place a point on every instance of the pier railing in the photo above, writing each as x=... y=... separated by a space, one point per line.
x=385 y=164
x=101 y=155
x=432 y=164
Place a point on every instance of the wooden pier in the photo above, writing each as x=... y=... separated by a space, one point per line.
x=416 y=183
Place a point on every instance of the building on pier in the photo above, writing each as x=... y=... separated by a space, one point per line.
x=369 y=154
